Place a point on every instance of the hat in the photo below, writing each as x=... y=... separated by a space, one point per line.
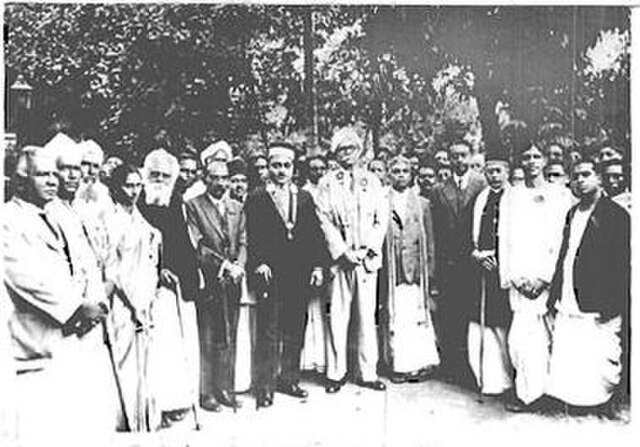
x=237 y=166
x=219 y=150
x=282 y=150
x=91 y=149
x=59 y=141
x=61 y=145
x=347 y=136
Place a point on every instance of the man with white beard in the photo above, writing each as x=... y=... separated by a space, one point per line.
x=162 y=207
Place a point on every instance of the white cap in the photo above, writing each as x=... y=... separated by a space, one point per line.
x=347 y=136
x=61 y=145
x=218 y=149
x=280 y=151
x=91 y=149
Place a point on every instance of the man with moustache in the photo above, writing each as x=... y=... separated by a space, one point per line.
x=60 y=359
x=353 y=215
x=217 y=228
x=452 y=214
x=285 y=255
x=188 y=175
x=218 y=151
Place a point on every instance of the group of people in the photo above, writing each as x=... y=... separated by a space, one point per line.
x=137 y=295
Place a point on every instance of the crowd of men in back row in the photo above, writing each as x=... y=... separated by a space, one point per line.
x=130 y=290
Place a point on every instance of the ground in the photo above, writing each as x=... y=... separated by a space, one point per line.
x=431 y=413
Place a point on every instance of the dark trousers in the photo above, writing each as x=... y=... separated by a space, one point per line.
x=280 y=324
x=217 y=344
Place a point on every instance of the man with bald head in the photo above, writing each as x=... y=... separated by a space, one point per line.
x=58 y=351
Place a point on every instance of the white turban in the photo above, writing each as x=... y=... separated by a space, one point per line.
x=347 y=136
x=91 y=151
x=280 y=151
x=63 y=146
x=220 y=149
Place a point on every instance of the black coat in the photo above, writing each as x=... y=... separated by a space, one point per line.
x=601 y=270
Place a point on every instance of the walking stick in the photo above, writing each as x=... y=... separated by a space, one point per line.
x=116 y=375
x=483 y=304
x=194 y=405
x=227 y=334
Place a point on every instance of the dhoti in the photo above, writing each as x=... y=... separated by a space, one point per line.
x=314 y=352
x=497 y=372
x=347 y=286
x=585 y=359
x=244 y=348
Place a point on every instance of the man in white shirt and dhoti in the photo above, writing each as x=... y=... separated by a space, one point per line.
x=353 y=214
x=530 y=233
x=409 y=337
x=590 y=293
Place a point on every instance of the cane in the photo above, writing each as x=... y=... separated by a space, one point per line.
x=483 y=303
x=227 y=334
x=116 y=375
x=194 y=406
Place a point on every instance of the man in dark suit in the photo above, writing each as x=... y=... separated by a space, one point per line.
x=217 y=229
x=452 y=212
x=285 y=254
x=590 y=292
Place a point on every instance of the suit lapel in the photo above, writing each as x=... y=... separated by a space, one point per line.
x=450 y=192
x=469 y=190
x=216 y=221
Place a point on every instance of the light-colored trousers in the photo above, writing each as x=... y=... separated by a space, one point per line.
x=347 y=286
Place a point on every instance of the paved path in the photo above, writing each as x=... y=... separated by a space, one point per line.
x=432 y=413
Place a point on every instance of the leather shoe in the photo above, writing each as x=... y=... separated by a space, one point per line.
x=210 y=403
x=292 y=389
x=264 y=399
x=332 y=386
x=228 y=400
x=399 y=378
x=377 y=385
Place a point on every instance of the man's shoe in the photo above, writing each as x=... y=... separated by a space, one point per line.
x=377 y=385
x=210 y=403
x=517 y=406
x=332 y=386
x=228 y=399
x=399 y=378
x=292 y=389
x=264 y=399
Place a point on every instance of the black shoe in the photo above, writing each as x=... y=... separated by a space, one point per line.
x=517 y=406
x=228 y=399
x=376 y=385
x=292 y=389
x=210 y=403
x=264 y=399
x=332 y=386
x=399 y=378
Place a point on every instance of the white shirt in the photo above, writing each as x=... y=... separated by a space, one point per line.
x=462 y=181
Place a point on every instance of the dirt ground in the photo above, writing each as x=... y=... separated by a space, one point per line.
x=431 y=413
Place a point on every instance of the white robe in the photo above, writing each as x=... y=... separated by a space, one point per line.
x=585 y=357
x=530 y=234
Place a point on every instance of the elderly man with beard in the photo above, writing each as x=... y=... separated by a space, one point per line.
x=61 y=362
x=285 y=253
x=354 y=215
x=161 y=205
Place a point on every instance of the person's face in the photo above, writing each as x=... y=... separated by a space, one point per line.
x=585 y=180
x=346 y=156
x=426 y=177
x=575 y=157
x=613 y=180
x=69 y=176
x=131 y=189
x=460 y=158
x=517 y=177
x=442 y=157
x=262 y=169
x=188 y=171
x=160 y=174
x=496 y=174
x=217 y=179
x=400 y=176
x=555 y=154
x=477 y=163
x=43 y=180
x=280 y=169
x=317 y=169
x=239 y=185
x=332 y=165
x=378 y=168
x=608 y=153
x=555 y=174
x=90 y=167
x=444 y=174
x=415 y=162
x=533 y=162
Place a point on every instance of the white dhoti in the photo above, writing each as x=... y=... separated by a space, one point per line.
x=343 y=291
x=413 y=339
x=169 y=361
x=497 y=372
x=529 y=342
x=244 y=348
x=585 y=359
x=314 y=353
x=72 y=401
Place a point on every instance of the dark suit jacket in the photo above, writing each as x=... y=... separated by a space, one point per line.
x=291 y=261
x=601 y=270
x=217 y=237
x=452 y=220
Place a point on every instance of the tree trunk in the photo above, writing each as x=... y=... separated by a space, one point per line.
x=311 y=121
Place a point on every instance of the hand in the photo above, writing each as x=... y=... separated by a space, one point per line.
x=85 y=318
x=486 y=259
x=168 y=279
x=537 y=287
x=235 y=273
x=350 y=258
x=264 y=272
x=317 y=278
x=432 y=304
